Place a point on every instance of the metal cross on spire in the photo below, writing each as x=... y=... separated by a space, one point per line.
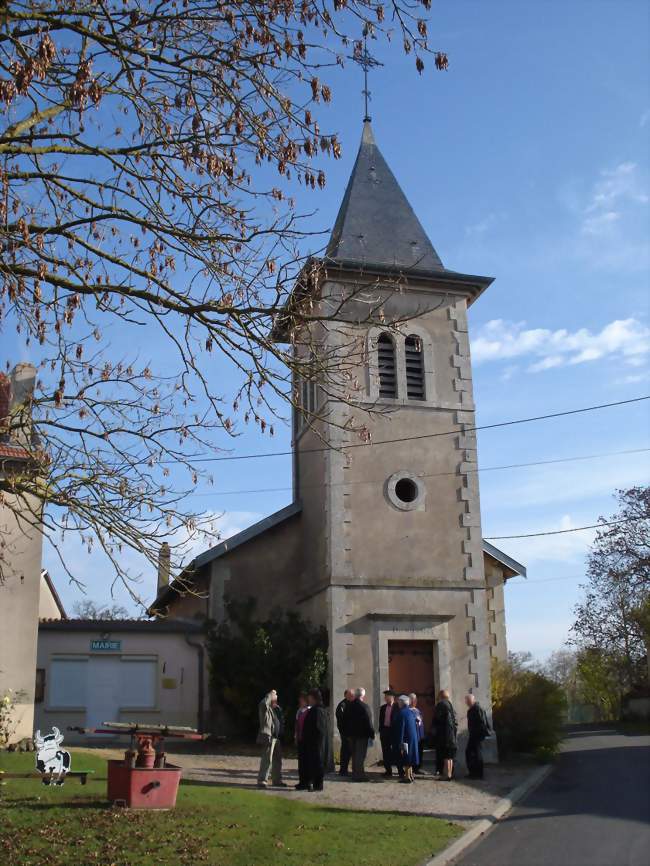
x=366 y=61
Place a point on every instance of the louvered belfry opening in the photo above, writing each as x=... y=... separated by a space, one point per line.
x=414 y=368
x=386 y=364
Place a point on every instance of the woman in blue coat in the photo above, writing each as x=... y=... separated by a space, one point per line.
x=405 y=740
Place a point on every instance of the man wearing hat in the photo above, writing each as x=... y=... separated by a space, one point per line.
x=385 y=712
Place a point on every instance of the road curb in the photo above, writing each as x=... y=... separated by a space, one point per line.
x=479 y=828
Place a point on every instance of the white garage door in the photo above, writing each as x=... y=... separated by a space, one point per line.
x=104 y=685
x=104 y=690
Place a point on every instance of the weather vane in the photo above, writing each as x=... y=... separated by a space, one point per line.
x=366 y=61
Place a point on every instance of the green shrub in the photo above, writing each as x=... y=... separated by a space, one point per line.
x=8 y=720
x=528 y=711
x=247 y=657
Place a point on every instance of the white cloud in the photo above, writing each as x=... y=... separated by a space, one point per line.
x=216 y=526
x=498 y=340
x=570 y=547
x=634 y=378
x=482 y=226
x=621 y=182
x=614 y=190
x=586 y=484
x=599 y=223
x=547 y=363
x=610 y=218
x=509 y=372
x=232 y=522
x=96 y=574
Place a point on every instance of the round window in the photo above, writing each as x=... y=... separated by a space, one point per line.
x=406 y=490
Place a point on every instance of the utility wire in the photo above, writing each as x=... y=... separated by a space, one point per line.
x=510 y=581
x=561 y=531
x=216 y=493
x=461 y=429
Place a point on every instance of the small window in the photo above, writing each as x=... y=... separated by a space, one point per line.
x=308 y=392
x=414 y=368
x=386 y=366
x=309 y=389
x=39 y=688
x=406 y=490
x=308 y=396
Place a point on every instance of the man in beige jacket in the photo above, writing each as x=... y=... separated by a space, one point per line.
x=269 y=738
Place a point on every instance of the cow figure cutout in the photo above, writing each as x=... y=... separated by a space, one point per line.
x=52 y=762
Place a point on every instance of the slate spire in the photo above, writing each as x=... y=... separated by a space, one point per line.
x=376 y=224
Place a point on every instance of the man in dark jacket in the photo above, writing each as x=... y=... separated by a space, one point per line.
x=386 y=711
x=446 y=729
x=359 y=728
x=316 y=736
x=342 y=706
x=478 y=728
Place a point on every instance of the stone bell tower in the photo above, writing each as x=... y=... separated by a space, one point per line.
x=392 y=556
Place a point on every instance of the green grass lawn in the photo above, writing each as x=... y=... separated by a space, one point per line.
x=213 y=825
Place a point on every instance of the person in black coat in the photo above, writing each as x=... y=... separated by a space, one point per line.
x=445 y=735
x=386 y=711
x=301 y=717
x=360 y=730
x=341 y=707
x=478 y=728
x=316 y=742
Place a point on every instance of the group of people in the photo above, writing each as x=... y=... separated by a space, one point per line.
x=401 y=731
x=312 y=736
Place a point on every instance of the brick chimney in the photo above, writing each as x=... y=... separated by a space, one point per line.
x=164 y=565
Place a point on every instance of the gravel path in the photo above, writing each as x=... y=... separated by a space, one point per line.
x=460 y=801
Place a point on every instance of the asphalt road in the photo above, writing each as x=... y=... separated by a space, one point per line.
x=593 y=810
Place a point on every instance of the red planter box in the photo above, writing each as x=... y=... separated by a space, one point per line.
x=140 y=788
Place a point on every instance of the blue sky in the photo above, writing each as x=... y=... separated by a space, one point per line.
x=527 y=161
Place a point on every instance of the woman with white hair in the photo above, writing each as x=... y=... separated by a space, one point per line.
x=406 y=741
x=419 y=721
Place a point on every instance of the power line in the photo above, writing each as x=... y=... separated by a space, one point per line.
x=561 y=531
x=478 y=470
x=461 y=429
x=543 y=580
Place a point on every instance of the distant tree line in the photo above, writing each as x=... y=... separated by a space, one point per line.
x=611 y=632
x=607 y=659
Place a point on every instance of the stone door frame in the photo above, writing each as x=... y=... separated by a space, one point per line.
x=389 y=628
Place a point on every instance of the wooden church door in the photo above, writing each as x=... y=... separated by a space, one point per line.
x=411 y=669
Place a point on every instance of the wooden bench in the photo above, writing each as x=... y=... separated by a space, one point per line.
x=82 y=775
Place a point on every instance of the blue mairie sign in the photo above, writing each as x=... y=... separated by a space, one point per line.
x=105 y=645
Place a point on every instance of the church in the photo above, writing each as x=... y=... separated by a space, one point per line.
x=382 y=542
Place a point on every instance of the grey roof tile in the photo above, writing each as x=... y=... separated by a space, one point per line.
x=376 y=225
